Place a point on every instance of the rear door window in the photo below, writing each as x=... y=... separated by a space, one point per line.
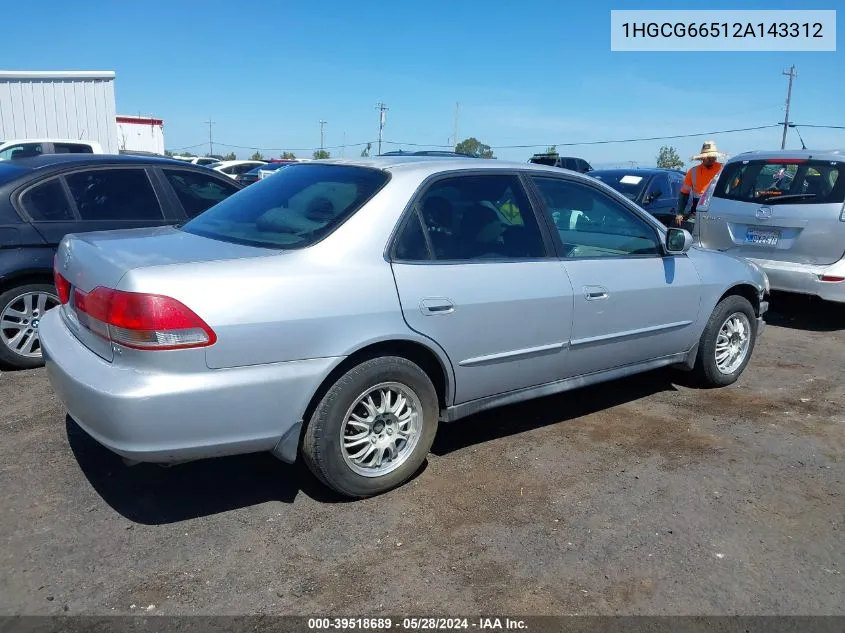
x=47 y=202
x=114 y=194
x=198 y=192
x=782 y=182
x=295 y=208
x=72 y=148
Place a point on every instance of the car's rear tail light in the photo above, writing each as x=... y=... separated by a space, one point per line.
x=704 y=200
x=141 y=321
x=832 y=278
x=62 y=284
x=786 y=161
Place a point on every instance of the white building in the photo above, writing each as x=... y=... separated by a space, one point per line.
x=59 y=104
x=145 y=134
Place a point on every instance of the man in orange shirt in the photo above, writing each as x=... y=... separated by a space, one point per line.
x=697 y=179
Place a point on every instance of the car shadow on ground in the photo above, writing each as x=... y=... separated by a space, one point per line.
x=151 y=495
x=514 y=419
x=807 y=313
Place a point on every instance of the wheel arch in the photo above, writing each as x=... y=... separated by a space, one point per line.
x=745 y=290
x=26 y=277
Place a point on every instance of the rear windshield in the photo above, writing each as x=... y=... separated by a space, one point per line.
x=628 y=184
x=294 y=209
x=782 y=182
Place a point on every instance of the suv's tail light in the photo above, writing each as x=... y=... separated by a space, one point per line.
x=141 y=321
x=707 y=196
x=62 y=284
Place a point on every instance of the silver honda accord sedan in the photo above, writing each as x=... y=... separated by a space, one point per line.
x=342 y=309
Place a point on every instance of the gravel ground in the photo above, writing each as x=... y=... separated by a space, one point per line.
x=643 y=496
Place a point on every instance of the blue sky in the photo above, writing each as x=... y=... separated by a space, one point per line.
x=537 y=73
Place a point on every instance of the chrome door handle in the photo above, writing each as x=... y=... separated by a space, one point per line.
x=437 y=305
x=594 y=293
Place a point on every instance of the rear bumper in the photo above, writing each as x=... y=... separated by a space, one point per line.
x=804 y=278
x=173 y=417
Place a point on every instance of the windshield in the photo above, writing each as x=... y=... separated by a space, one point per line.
x=627 y=183
x=782 y=181
x=294 y=209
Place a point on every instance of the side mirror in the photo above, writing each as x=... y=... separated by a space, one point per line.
x=678 y=241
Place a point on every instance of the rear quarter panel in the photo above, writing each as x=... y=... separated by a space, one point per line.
x=286 y=307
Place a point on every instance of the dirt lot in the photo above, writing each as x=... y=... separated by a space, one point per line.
x=642 y=496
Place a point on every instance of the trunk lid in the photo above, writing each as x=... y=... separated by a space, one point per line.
x=781 y=209
x=89 y=260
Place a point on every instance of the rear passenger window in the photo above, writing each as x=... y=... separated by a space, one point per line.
x=114 y=194
x=72 y=148
x=198 y=192
x=475 y=217
x=47 y=202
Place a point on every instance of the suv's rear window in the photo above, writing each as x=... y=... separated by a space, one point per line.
x=782 y=182
x=293 y=209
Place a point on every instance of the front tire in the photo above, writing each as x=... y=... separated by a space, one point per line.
x=21 y=308
x=727 y=342
x=373 y=428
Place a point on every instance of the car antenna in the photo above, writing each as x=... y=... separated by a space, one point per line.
x=799 y=135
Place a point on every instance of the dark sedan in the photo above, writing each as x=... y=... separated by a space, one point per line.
x=46 y=197
x=654 y=189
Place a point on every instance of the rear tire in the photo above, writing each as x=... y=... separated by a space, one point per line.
x=727 y=343
x=20 y=310
x=360 y=443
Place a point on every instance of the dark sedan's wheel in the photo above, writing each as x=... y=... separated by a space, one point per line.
x=727 y=342
x=21 y=309
x=373 y=428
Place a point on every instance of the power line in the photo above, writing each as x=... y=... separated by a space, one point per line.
x=826 y=127
x=434 y=145
x=606 y=142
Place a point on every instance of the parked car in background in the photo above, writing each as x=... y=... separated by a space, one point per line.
x=342 y=309
x=249 y=177
x=572 y=163
x=45 y=197
x=656 y=190
x=784 y=211
x=427 y=152
x=203 y=161
x=234 y=168
x=26 y=148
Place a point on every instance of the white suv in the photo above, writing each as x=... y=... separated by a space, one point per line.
x=22 y=148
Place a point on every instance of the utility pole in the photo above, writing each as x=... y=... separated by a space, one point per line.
x=381 y=116
x=322 y=123
x=210 y=141
x=455 y=127
x=791 y=74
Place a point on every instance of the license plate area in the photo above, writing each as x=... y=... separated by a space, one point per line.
x=762 y=237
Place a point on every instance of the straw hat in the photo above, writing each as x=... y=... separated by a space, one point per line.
x=708 y=150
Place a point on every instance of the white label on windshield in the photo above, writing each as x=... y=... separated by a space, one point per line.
x=631 y=180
